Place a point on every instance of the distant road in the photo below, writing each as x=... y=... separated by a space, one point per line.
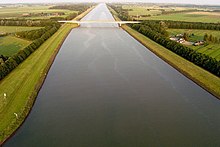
x=107 y=90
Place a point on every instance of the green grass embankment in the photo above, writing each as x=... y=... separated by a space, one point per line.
x=24 y=82
x=205 y=79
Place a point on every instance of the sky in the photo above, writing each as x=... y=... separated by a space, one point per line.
x=199 y=2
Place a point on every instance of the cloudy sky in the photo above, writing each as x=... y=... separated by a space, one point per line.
x=210 y=2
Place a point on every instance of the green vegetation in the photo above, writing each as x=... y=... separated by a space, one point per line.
x=170 y=12
x=190 y=17
x=38 y=36
x=211 y=49
x=26 y=11
x=13 y=29
x=20 y=84
x=198 y=34
x=157 y=32
x=10 y=45
x=24 y=82
x=202 y=77
x=139 y=10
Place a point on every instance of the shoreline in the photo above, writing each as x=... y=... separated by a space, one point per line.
x=33 y=97
x=179 y=69
x=167 y=58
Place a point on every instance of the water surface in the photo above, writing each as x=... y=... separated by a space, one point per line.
x=107 y=90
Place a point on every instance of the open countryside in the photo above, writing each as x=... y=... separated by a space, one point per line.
x=34 y=12
x=113 y=80
x=172 y=12
x=212 y=48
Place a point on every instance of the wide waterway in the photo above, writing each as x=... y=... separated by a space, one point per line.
x=105 y=89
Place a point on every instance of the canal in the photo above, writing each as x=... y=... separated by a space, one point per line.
x=105 y=89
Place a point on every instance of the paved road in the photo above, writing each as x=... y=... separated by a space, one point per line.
x=107 y=90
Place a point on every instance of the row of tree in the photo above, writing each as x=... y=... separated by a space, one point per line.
x=202 y=60
x=156 y=30
x=122 y=13
x=8 y=64
x=20 y=22
x=80 y=7
x=189 y=25
x=50 y=26
x=69 y=17
x=210 y=38
x=35 y=34
x=180 y=11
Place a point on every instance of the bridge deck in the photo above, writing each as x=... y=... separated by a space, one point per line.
x=100 y=21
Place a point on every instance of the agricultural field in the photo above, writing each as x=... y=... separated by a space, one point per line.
x=210 y=17
x=211 y=49
x=10 y=45
x=139 y=10
x=152 y=10
x=155 y=12
x=13 y=29
x=26 y=10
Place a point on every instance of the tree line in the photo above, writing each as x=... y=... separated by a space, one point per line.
x=69 y=17
x=202 y=60
x=210 y=38
x=180 y=11
x=35 y=34
x=189 y=25
x=20 y=22
x=81 y=7
x=7 y=64
x=50 y=26
x=156 y=30
x=121 y=13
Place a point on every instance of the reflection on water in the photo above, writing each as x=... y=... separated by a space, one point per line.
x=106 y=90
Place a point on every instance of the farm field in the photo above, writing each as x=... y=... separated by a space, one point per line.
x=138 y=10
x=13 y=29
x=154 y=12
x=211 y=49
x=10 y=45
x=190 y=17
x=15 y=12
x=151 y=10
x=21 y=84
x=204 y=78
x=25 y=80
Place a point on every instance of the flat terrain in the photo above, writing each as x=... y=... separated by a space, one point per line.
x=196 y=17
x=24 y=79
x=21 y=84
x=17 y=12
x=138 y=10
x=10 y=45
x=155 y=13
x=13 y=29
x=106 y=89
x=212 y=49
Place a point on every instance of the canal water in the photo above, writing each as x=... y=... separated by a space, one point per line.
x=105 y=89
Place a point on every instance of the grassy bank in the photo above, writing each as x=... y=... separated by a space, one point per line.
x=202 y=77
x=24 y=82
